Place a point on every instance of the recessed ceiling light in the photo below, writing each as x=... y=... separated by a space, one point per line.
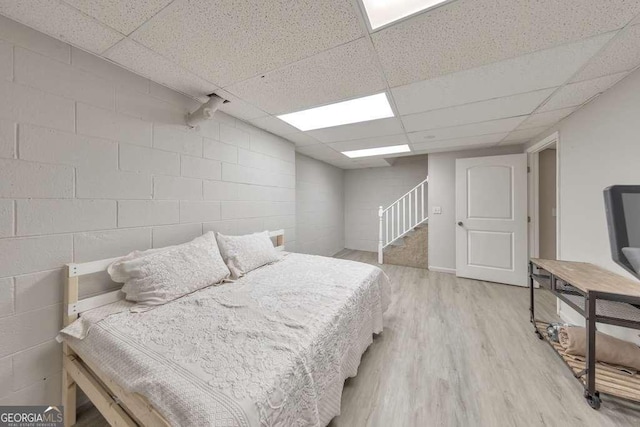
x=382 y=12
x=367 y=152
x=342 y=113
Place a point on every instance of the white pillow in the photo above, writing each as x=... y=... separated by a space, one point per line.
x=245 y=253
x=158 y=276
x=633 y=256
x=116 y=269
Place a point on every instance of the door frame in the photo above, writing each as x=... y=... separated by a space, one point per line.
x=533 y=178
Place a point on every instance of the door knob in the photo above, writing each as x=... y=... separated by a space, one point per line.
x=460 y=223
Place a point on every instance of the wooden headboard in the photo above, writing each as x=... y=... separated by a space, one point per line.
x=74 y=306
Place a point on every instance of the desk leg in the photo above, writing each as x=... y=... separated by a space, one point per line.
x=592 y=396
x=532 y=317
x=531 y=302
x=532 y=312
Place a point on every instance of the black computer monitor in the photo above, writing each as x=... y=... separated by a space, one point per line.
x=622 y=204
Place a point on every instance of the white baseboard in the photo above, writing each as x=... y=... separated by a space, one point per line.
x=442 y=269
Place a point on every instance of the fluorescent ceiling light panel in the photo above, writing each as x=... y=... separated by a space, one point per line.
x=341 y=113
x=382 y=12
x=368 y=152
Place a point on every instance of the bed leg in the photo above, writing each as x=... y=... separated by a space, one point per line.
x=68 y=399
x=69 y=389
x=68 y=384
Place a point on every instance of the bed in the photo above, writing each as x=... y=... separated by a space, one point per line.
x=272 y=348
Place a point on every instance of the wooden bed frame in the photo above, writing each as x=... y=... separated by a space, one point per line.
x=119 y=407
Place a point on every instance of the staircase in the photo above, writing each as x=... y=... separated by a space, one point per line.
x=413 y=252
x=401 y=218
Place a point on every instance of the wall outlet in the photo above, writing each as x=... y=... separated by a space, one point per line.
x=437 y=210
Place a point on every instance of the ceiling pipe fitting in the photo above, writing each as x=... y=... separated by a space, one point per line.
x=206 y=110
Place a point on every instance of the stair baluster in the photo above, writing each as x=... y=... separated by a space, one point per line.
x=390 y=230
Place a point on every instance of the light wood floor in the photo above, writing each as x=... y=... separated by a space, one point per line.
x=459 y=352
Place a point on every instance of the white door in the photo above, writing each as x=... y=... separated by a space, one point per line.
x=491 y=218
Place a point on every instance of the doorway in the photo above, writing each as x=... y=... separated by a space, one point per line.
x=544 y=197
x=547 y=203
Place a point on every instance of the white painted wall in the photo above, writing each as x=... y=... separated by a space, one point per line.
x=442 y=193
x=319 y=207
x=367 y=189
x=95 y=162
x=599 y=146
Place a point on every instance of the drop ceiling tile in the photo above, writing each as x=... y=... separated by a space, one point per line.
x=468 y=34
x=575 y=94
x=373 y=128
x=238 y=107
x=273 y=125
x=352 y=165
x=475 y=129
x=622 y=54
x=523 y=135
x=342 y=164
x=123 y=15
x=301 y=139
x=141 y=60
x=539 y=70
x=449 y=149
x=242 y=110
x=481 y=140
x=514 y=142
x=321 y=152
x=370 y=162
x=230 y=41
x=392 y=157
x=347 y=71
x=375 y=142
x=548 y=118
x=482 y=111
x=62 y=22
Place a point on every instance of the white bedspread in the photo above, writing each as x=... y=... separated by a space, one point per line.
x=272 y=348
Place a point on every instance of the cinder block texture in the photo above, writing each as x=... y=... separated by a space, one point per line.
x=96 y=162
x=136 y=213
x=142 y=159
x=7 y=218
x=103 y=123
x=21 y=179
x=7 y=139
x=46 y=216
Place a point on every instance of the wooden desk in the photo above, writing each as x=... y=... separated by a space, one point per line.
x=600 y=296
x=588 y=277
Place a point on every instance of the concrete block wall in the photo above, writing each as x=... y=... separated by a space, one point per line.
x=95 y=161
x=367 y=189
x=319 y=207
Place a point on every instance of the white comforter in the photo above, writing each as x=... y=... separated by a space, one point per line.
x=272 y=348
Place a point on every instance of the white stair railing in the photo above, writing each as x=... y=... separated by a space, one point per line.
x=401 y=217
